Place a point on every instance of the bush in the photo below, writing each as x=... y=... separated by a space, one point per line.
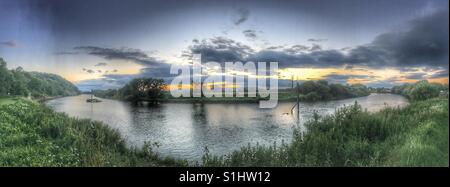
x=423 y=90
x=420 y=91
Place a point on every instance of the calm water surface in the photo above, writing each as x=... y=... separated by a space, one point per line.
x=183 y=129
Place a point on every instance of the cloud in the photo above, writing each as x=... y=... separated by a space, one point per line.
x=423 y=43
x=317 y=40
x=250 y=34
x=101 y=64
x=315 y=47
x=90 y=71
x=131 y=54
x=241 y=16
x=275 y=47
x=152 y=67
x=342 y=79
x=417 y=76
x=219 y=49
x=11 y=44
x=440 y=74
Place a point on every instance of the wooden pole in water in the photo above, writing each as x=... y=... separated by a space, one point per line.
x=292 y=82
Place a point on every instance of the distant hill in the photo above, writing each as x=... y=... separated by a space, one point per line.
x=21 y=83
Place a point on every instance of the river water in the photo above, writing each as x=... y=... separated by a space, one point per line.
x=183 y=130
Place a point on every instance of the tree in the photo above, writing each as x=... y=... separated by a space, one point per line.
x=321 y=90
x=423 y=90
x=21 y=83
x=5 y=78
x=143 y=89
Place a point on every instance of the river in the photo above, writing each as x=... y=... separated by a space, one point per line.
x=183 y=130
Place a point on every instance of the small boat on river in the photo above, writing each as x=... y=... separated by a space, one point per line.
x=93 y=100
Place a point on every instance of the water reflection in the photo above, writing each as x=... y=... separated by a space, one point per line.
x=184 y=129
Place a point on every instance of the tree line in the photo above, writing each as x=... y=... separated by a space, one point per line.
x=321 y=90
x=421 y=90
x=18 y=82
x=150 y=89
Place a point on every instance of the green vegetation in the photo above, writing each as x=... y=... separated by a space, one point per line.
x=152 y=90
x=413 y=136
x=141 y=89
x=421 y=90
x=38 y=85
x=34 y=135
x=7 y=100
x=322 y=91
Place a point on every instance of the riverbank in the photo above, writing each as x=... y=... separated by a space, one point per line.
x=417 y=135
x=283 y=96
x=34 y=135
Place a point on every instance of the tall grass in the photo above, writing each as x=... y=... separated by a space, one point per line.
x=413 y=136
x=34 y=135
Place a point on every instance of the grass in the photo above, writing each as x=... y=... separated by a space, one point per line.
x=416 y=135
x=7 y=100
x=34 y=135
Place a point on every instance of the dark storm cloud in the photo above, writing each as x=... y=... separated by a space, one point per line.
x=220 y=49
x=226 y=50
x=241 y=16
x=423 y=43
x=135 y=55
x=9 y=44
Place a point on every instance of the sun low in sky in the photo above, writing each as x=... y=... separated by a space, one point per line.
x=103 y=44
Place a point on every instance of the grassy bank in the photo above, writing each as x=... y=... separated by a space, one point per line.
x=34 y=135
x=7 y=100
x=416 y=135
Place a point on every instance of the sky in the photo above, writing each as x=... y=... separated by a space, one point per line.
x=101 y=44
